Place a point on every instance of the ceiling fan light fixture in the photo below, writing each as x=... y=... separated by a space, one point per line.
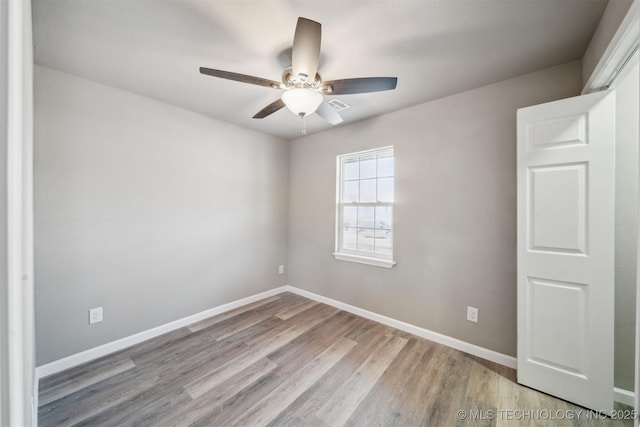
x=302 y=101
x=303 y=86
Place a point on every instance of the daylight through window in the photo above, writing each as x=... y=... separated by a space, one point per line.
x=365 y=207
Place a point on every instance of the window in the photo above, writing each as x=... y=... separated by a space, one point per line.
x=364 y=218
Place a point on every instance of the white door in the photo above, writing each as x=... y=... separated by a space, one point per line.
x=566 y=248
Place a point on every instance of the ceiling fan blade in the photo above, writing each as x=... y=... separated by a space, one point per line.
x=361 y=85
x=269 y=109
x=306 y=50
x=240 y=78
x=328 y=113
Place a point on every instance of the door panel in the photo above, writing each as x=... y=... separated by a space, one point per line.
x=558 y=133
x=557 y=197
x=566 y=248
x=558 y=339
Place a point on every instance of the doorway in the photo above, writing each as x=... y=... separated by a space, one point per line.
x=627 y=90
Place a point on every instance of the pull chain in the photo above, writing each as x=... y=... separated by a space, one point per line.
x=304 y=123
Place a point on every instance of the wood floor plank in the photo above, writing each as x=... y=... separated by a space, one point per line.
x=203 y=324
x=145 y=409
x=246 y=319
x=482 y=393
x=149 y=349
x=316 y=314
x=61 y=390
x=232 y=409
x=275 y=402
x=253 y=353
x=483 y=383
x=89 y=406
x=190 y=358
x=240 y=325
x=77 y=373
x=361 y=333
x=347 y=398
x=397 y=398
x=311 y=421
x=212 y=401
x=293 y=309
x=191 y=362
x=198 y=366
x=426 y=386
x=513 y=397
x=452 y=385
x=480 y=415
x=289 y=361
x=250 y=355
x=240 y=381
x=290 y=356
x=168 y=349
x=308 y=404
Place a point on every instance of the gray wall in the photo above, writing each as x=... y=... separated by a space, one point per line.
x=147 y=210
x=613 y=15
x=455 y=210
x=626 y=226
x=4 y=396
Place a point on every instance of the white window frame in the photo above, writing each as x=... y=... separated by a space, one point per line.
x=362 y=257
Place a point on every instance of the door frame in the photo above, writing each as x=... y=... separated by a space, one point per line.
x=620 y=49
x=19 y=355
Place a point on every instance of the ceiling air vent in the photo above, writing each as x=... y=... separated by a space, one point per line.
x=338 y=105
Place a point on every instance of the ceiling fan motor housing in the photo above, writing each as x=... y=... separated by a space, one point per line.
x=302 y=95
x=290 y=82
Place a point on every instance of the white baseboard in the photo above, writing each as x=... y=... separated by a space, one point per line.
x=34 y=400
x=620 y=395
x=102 y=350
x=464 y=346
x=623 y=396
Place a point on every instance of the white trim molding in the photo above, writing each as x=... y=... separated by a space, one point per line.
x=378 y=262
x=620 y=395
x=621 y=47
x=623 y=396
x=484 y=353
x=111 y=347
x=20 y=353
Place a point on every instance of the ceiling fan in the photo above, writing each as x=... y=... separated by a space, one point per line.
x=303 y=87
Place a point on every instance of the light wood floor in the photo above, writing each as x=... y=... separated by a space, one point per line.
x=289 y=361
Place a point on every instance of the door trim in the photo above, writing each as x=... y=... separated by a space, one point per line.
x=20 y=297
x=621 y=47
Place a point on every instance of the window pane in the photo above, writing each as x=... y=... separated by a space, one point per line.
x=385 y=166
x=349 y=237
x=383 y=242
x=366 y=203
x=368 y=190
x=383 y=217
x=350 y=191
x=367 y=167
x=366 y=239
x=365 y=217
x=349 y=216
x=351 y=169
x=385 y=190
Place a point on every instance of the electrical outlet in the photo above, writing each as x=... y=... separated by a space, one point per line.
x=95 y=315
x=472 y=314
x=281 y=269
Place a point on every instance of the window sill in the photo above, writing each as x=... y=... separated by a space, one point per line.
x=378 y=262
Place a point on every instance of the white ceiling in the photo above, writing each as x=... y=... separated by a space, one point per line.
x=435 y=47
